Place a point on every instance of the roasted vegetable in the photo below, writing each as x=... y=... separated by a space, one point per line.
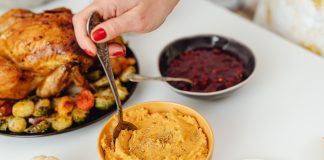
x=122 y=91
x=61 y=122
x=23 y=108
x=121 y=63
x=102 y=82
x=64 y=105
x=17 y=124
x=5 y=108
x=40 y=127
x=128 y=71
x=79 y=115
x=104 y=102
x=85 y=100
x=94 y=76
x=42 y=108
x=104 y=99
x=3 y=125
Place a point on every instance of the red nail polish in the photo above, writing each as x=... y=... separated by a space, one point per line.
x=99 y=34
x=89 y=53
x=118 y=54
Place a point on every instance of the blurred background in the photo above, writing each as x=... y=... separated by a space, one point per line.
x=300 y=21
x=245 y=8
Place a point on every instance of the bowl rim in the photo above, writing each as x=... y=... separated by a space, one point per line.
x=214 y=93
x=172 y=105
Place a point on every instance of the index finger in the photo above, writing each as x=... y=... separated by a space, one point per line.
x=79 y=24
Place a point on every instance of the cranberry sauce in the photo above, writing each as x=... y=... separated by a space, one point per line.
x=210 y=70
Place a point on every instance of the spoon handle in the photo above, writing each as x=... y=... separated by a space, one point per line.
x=140 y=78
x=103 y=56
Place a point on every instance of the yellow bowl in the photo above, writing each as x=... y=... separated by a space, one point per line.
x=158 y=106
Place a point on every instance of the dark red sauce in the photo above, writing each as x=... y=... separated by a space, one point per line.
x=210 y=70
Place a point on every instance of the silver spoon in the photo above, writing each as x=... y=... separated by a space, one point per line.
x=140 y=78
x=103 y=57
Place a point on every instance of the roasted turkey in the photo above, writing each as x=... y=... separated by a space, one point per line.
x=38 y=52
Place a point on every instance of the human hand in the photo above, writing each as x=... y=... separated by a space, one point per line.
x=120 y=16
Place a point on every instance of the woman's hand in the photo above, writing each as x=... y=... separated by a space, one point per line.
x=121 y=16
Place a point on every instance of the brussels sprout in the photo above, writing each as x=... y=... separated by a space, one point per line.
x=3 y=125
x=94 y=76
x=128 y=71
x=41 y=127
x=61 y=122
x=64 y=105
x=79 y=115
x=122 y=92
x=24 y=108
x=42 y=108
x=104 y=99
x=102 y=82
x=104 y=102
x=17 y=124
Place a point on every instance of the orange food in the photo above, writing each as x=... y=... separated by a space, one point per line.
x=64 y=105
x=5 y=108
x=85 y=100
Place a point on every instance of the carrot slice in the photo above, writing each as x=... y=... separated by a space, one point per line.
x=85 y=100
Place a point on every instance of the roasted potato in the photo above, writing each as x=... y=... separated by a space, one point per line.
x=61 y=122
x=17 y=124
x=23 y=108
x=42 y=108
x=120 y=64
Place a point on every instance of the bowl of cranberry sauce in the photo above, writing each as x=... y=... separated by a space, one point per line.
x=216 y=65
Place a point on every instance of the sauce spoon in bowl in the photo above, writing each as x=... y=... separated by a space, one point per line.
x=139 y=78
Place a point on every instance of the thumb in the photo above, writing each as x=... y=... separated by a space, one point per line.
x=110 y=29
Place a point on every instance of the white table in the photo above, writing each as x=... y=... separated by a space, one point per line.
x=278 y=115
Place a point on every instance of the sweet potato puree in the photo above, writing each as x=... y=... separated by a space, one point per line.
x=164 y=135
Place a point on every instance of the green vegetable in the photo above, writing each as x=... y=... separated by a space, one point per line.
x=17 y=124
x=94 y=76
x=128 y=71
x=3 y=125
x=42 y=108
x=104 y=102
x=122 y=91
x=24 y=108
x=102 y=82
x=41 y=127
x=104 y=99
x=79 y=115
x=61 y=122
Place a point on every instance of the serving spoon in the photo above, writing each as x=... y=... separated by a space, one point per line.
x=102 y=53
x=139 y=78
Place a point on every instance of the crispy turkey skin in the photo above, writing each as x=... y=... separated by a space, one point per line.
x=38 y=51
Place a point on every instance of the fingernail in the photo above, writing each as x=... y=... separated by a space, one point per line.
x=118 y=54
x=89 y=53
x=99 y=34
